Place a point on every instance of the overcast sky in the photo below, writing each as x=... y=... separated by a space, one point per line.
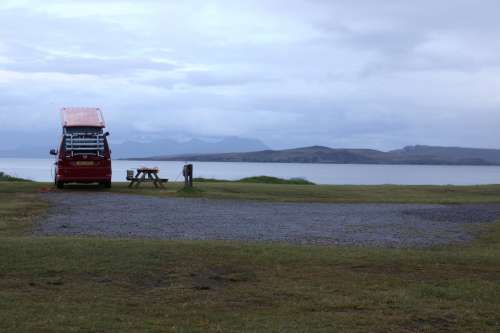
x=357 y=73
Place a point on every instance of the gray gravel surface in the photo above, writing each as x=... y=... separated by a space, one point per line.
x=392 y=225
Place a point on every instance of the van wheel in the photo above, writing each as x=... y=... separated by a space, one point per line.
x=60 y=185
x=107 y=184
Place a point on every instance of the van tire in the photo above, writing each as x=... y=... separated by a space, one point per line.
x=107 y=184
x=59 y=185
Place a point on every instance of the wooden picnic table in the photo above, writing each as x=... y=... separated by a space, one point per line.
x=145 y=175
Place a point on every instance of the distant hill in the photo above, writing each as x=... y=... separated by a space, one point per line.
x=317 y=154
x=455 y=155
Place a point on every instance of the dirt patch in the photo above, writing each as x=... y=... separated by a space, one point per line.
x=432 y=324
x=220 y=277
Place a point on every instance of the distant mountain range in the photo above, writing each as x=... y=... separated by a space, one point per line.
x=133 y=149
x=317 y=154
x=235 y=149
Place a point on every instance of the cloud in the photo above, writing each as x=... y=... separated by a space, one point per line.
x=86 y=65
x=297 y=72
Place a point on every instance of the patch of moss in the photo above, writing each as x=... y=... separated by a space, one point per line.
x=190 y=191
x=276 y=180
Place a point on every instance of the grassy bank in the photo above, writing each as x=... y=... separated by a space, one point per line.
x=50 y=284
x=258 y=180
x=327 y=193
x=296 y=193
x=7 y=178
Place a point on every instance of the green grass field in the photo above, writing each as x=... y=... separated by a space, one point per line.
x=58 y=284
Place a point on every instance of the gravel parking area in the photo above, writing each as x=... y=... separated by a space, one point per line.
x=391 y=225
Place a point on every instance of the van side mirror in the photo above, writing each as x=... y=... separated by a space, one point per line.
x=106 y=134
x=53 y=152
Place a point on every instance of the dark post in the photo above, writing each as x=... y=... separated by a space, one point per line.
x=188 y=175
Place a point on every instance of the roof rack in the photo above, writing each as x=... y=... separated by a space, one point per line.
x=84 y=143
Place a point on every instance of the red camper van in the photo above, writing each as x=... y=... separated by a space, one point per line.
x=84 y=155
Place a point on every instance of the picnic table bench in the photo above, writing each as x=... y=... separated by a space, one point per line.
x=145 y=175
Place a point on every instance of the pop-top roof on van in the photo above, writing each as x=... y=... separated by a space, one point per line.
x=82 y=117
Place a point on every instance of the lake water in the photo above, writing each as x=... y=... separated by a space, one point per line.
x=359 y=174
